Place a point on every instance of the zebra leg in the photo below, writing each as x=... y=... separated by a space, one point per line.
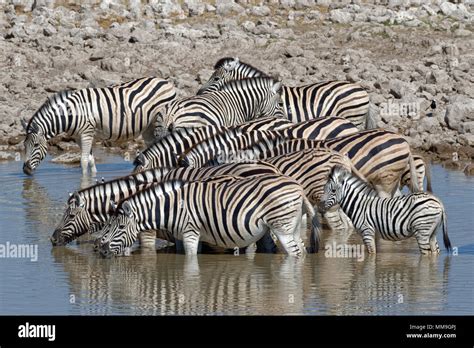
x=423 y=240
x=191 y=242
x=289 y=243
x=433 y=242
x=92 y=164
x=288 y=237
x=147 y=239
x=368 y=237
x=86 y=149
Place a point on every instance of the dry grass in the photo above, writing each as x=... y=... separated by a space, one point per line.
x=105 y=22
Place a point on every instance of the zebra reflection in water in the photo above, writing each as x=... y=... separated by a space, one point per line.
x=155 y=284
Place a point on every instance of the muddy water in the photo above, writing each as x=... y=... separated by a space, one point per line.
x=74 y=280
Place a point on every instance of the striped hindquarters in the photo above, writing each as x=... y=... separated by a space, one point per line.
x=333 y=98
x=125 y=111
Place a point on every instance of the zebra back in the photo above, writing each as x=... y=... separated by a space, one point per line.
x=229 y=146
x=237 y=102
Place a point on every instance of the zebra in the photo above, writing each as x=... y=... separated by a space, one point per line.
x=331 y=98
x=231 y=213
x=380 y=156
x=165 y=151
x=418 y=214
x=88 y=209
x=235 y=103
x=422 y=171
x=117 y=113
x=232 y=139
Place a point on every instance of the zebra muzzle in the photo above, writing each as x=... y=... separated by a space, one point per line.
x=27 y=169
x=57 y=239
x=105 y=251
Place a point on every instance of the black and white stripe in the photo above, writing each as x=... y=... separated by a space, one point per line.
x=234 y=212
x=89 y=208
x=235 y=103
x=116 y=114
x=331 y=98
x=418 y=214
x=380 y=156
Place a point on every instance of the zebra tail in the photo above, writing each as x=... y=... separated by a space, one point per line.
x=315 y=226
x=447 y=242
x=428 y=177
x=413 y=177
x=371 y=122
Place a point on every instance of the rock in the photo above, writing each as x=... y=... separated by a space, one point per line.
x=228 y=7
x=458 y=11
x=467 y=127
x=340 y=16
x=400 y=89
x=459 y=110
x=469 y=169
x=260 y=11
x=466 y=139
x=194 y=7
x=141 y=35
x=68 y=158
x=429 y=124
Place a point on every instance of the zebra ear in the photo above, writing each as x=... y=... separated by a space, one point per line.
x=229 y=66
x=113 y=206
x=277 y=87
x=79 y=200
x=127 y=209
x=24 y=123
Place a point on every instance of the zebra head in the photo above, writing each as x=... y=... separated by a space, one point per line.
x=333 y=190
x=141 y=163
x=75 y=221
x=274 y=106
x=119 y=232
x=36 y=147
x=226 y=70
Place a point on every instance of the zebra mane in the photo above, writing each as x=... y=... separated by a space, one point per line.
x=232 y=132
x=340 y=174
x=248 y=83
x=221 y=62
x=142 y=177
x=50 y=102
x=160 y=188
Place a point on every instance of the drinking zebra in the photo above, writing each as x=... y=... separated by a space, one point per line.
x=235 y=103
x=118 y=113
x=233 y=213
x=332 y=98
x=88 y=209
x=418 y=214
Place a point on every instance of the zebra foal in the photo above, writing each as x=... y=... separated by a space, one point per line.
x=417 y=214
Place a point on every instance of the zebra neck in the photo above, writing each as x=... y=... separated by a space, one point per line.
x=355 y=192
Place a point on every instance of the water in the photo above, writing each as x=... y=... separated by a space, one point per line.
x=74 y=280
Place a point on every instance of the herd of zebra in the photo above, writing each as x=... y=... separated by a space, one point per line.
x=238 y=165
